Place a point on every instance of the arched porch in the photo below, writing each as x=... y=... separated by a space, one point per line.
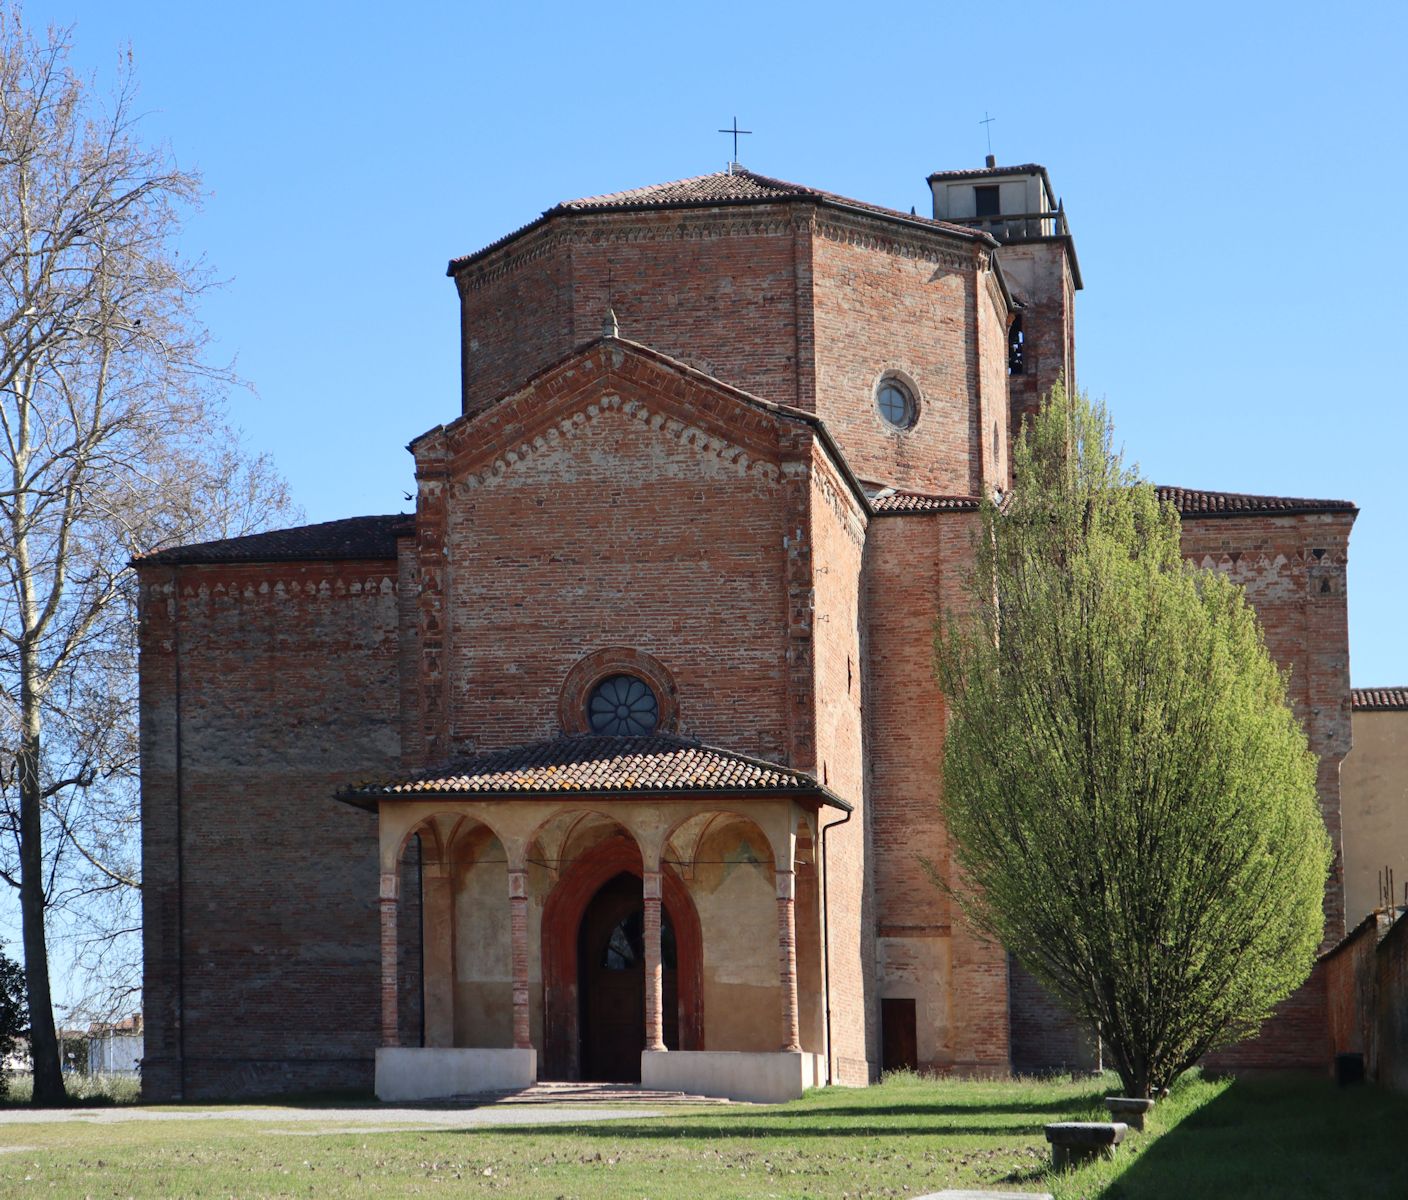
x=502 y=983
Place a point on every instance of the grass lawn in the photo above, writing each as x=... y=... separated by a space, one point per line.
x=909 y=1136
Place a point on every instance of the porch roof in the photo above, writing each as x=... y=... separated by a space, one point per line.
x=660 y=764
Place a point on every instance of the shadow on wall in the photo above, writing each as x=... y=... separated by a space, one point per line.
x=1279 y=1136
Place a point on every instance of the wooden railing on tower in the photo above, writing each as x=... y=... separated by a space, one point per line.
x=1006 y=227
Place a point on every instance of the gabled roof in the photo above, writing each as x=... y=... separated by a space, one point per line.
x=1387 y=699
x=349 y=538
x=723 y=188
x=682 y=370
x=659 y=763
x=1196 y=503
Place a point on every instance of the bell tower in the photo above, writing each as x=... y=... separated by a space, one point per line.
x=1038 y=258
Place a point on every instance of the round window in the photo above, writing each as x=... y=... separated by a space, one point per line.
x=623 y=705
x=896 y=403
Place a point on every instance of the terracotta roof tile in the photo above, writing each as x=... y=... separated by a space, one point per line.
x=350 y=538
x=1388 y=699
x=1188 y=502
x=978 y=172
x=721 y=187
x=917 y=502
x=743 y=187
x=1193 y=503
x=658 y=763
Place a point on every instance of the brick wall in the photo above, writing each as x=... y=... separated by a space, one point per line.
x=1045 y=1036
x=798 y=304
x=1366 y=981
x=599 y=510
x=714 y=288
x=915 y=565
x=260 y=907
x=1039 y=275
x=1351 y=990
x=1391 y=1008
x=885 y=305
x=837 y=530
x=994 y=423
x=1293 y=570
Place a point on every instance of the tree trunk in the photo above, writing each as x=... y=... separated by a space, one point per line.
x=43 y=1040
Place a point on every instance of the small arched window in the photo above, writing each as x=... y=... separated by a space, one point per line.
x=1016 y=347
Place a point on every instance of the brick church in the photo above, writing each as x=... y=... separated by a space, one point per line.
x=618 y=758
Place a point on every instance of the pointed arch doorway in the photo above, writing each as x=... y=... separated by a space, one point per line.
x=593 y=993
x=611 y=981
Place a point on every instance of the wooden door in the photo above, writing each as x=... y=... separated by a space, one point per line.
x=899 y=1045
x=611 y=982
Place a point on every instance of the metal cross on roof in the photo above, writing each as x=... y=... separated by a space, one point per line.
x=986 y=123
x=735 y=131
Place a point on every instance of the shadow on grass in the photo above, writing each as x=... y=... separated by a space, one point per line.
x=1265 y=1138
x=738 y=1125
x=336 y=1098
x=1048 y=1108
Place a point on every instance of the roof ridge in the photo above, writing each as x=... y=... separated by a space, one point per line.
x=642 y=193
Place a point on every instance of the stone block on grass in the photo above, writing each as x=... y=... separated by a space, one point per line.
x=1129 y=1109
x=1075 y=1142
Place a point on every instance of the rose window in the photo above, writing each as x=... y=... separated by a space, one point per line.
x=623 y=705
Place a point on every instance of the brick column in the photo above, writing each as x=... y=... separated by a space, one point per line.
x=390 y=889
x=518 y=933
x=654 y=976
x=787 y=958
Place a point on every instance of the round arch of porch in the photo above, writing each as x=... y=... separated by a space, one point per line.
x=561 y=922
x=461 y=987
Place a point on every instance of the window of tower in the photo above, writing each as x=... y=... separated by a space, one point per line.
x=986 y=201
x=1016 y=347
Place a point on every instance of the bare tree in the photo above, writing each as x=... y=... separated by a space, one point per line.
x=112 y=442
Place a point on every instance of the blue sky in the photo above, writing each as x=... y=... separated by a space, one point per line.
x=1234 y=176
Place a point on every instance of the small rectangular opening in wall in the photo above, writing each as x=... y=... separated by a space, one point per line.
x=899 y=1049
x=986 y=200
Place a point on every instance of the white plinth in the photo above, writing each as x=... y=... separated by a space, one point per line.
x=434 y=1072
x=732 y=1074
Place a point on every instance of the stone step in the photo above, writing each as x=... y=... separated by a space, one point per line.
x=550 y=1092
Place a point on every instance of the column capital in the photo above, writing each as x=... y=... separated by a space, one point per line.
x=517 y=883
x=786 y=884
x=651 y=885
x=390 y=886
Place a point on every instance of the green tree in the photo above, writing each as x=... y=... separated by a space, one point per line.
x=1131 y=802
x=13 y=1026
